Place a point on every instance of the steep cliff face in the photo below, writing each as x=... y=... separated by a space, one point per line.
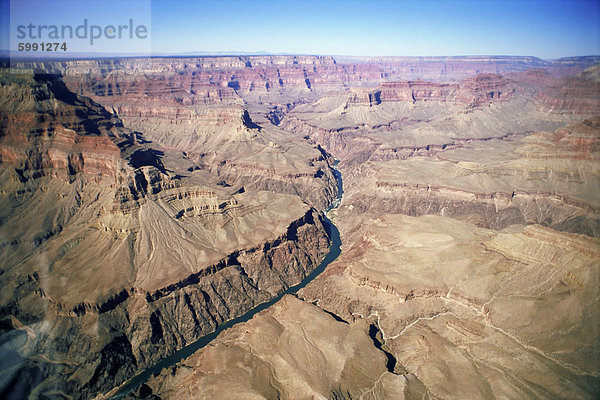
x=213 y=77
x=144 y=202
x=470 y=229
x=574 y=94
x=46 y=130
x=116 y=254
x=196 y=107
x=474 y=92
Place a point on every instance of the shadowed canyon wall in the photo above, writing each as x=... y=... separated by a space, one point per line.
x=147 y=201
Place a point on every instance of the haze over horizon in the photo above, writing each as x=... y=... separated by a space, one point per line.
x=545 y=29
x=390 y=200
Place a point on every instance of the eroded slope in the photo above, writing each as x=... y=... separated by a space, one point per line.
x=115 y=254
x=470 y=255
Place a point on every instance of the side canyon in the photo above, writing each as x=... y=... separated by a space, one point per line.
x=145 y=202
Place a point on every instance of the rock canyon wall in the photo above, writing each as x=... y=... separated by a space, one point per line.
x=144 y=202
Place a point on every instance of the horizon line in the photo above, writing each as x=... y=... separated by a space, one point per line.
x=192 y=54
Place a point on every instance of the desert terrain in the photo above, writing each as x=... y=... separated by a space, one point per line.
x=145 y=202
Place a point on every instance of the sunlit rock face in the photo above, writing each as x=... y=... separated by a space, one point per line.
x=115 y=254
x=145 y=202
x=470 y=250
x=574 y=94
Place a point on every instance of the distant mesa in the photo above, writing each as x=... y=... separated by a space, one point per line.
x=145 y=202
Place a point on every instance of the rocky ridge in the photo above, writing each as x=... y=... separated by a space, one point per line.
x=470 y=239
x=198 y=182
x=114 y=255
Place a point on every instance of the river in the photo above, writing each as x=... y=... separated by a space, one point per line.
x=334 y=252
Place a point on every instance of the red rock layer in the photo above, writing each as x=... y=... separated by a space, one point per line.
x=579 y=94
x=477 y=91
x=51 y=132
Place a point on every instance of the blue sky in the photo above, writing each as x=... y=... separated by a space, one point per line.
x=547 y=28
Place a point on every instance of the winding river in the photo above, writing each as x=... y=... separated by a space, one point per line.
x=334 y=252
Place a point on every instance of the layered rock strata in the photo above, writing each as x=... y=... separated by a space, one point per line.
x=470 y=258
x=115 y=255
x=171 y=195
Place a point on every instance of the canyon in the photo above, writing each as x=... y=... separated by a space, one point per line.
x=145 y=202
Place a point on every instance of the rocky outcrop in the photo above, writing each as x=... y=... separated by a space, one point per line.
x=578 y=94
x=141 y=327
x=481 y=90
x=444 y=295
x=290 y=356
x=46 y=130
x=146 y=202
x=116 y=254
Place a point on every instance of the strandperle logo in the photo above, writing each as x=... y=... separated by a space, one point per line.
x=63 y=29
x=92 y=33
